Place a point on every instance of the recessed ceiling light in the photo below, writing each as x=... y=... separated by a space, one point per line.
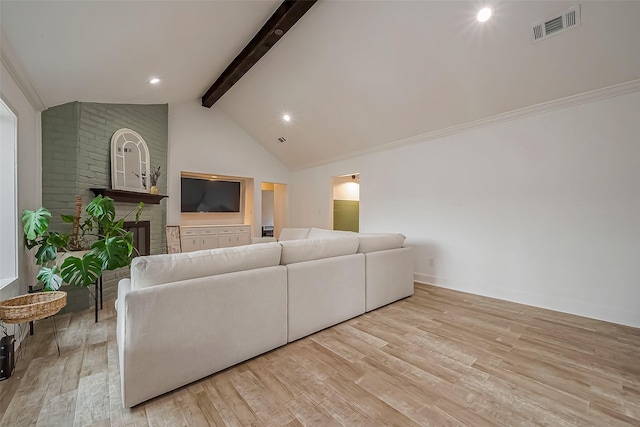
x=484 y=14
x=154 y=81
x=286 y=118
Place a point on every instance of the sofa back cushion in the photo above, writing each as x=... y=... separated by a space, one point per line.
x=293 y=234
x=307 y=250
x=373 y=242
x=321 y=233
x=160 y=269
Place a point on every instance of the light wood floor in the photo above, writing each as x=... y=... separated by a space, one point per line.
x=438 y=358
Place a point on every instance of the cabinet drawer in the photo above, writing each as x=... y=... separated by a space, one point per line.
x=208 y=232
x=243 y=230
x=225 y=231
x=187 y=232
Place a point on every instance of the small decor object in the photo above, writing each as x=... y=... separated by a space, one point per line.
x=7 y=361
x=74 y=243
x=173 y=239
x=108 y=245
x=153 y=180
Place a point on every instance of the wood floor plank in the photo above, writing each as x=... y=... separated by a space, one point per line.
x=440 y=357
x=461 y=414
x=263 y=371
x=92 y=404
x=329 y=358
x=293 y=372
x=219 y=404
x=241 y=410
x=94 y=360
x=197 y=408
x=403 y=400
x=260 y=399
x=32 y=393
x=344 y=412
x=543 y=394
x=308 y=413
x=368 y=403
x=334 y=344
x=59 y=410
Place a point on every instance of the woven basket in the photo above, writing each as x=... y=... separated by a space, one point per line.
x=26 y=308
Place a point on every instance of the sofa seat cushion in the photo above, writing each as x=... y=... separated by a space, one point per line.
x=321 y=233
x=373 y=242
x=307 y=250
x=160 y=269
x=293 y=234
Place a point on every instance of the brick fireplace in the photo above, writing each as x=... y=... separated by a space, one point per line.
x=76 y=141
x=141 y=236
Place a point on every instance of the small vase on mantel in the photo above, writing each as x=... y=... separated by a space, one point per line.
x=153 y=190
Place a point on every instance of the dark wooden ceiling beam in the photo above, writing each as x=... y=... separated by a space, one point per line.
x=289 y=12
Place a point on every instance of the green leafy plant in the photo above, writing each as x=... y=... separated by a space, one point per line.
x=111 y=246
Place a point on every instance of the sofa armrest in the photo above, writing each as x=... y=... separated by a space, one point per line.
x=124 y=287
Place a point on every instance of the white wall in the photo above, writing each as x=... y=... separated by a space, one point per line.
x=206 y=141
x=346 y=188
x=543 y=210
x=29 y=175
x=267 y=207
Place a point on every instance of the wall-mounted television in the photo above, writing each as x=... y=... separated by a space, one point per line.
x=205 y=195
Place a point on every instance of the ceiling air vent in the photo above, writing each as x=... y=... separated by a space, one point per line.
x=557 y=24
x=282 y=140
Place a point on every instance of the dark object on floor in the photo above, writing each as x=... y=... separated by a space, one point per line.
x=6 y=357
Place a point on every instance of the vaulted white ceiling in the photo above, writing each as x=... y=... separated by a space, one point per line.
x=354 y=75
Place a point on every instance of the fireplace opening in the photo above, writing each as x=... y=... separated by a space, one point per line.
x=141 y=236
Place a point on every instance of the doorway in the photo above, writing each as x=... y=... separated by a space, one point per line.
x=274 y=209
x=346 y=202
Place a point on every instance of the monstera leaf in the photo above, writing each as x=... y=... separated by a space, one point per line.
x=36 y=223
x=102 y=209
x=50 y=278
x=114 y=252
x=49 y=246
x=81 y=271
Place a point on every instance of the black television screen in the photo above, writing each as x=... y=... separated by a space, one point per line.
x=203 y=195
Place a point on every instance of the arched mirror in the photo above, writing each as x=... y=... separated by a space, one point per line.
x=129 y=161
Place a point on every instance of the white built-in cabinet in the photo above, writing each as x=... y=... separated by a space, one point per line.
x=195 y=238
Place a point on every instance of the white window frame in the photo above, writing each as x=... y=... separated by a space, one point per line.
x=8 y=195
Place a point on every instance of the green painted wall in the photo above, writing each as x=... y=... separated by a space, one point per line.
x=76 y=144
x=60 y=161
x=346 y=215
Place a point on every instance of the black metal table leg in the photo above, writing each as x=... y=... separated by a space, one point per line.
x=55 y=333
x=95 y=299
x=30 y=290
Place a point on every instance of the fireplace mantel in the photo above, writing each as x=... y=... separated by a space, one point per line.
x=129 y=196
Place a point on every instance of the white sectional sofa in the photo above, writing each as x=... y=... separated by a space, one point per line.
x=182 y=317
